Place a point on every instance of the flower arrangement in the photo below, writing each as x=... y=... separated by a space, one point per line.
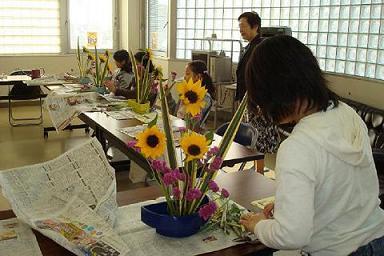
x=95 y=64
x=143 y=78
x=185 y=185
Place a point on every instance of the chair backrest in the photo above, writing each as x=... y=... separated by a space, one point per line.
x=21 y=72
x=244 y=136
x=378 y=157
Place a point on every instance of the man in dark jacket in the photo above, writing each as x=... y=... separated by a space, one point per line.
x=249 y=24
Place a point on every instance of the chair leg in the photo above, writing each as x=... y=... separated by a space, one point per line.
x=13 y=121
x=259 y=166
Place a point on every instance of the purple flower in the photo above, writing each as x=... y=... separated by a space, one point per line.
x=207 y=210
x=155 y=87
x=213 y=151
x=169 y=178
x=193 y=194
x=131 y=143
x=216 y=164
x=176 y=193
x=179 y=175
x=173 y=75
x=213 y=186
x=157 y=164
x=224 y=193
x=182 y=129
x=197 y=117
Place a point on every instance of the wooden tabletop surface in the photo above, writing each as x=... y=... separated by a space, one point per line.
x=110 y=127
x=244 y=187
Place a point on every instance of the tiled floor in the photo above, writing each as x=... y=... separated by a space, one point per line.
x=21 y=146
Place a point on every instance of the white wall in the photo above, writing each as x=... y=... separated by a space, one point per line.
x=52 y=64
x=367 y=91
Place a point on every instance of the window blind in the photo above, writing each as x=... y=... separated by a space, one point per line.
x=30 y=26
x=157 y=33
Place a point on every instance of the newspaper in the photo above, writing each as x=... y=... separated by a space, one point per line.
x=132 y=131
x=80 y=230
x=63 y=108
x=81 y=182
x=17 y=238
x=121 y=114
x=143 y=240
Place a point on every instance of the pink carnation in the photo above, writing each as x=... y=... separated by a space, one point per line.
x=193 y=194
x=213 y=186
x=224 y=193
x=206 y=211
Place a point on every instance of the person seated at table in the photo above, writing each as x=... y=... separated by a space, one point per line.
x=195 y=70
x=326 y=201
x=122 y=83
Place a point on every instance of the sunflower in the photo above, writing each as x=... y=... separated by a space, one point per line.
x=194 y=145
x=91 y=57
x=103 y=58
x=192 y=96
x=85 y=49
x=151 y=142
x=149 y=53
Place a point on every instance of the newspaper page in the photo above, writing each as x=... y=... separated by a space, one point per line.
x=80 y=230
x=83 y=171
x=17 y=239
x=63 y=108
x=143 y=240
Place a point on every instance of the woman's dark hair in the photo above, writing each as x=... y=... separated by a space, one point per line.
x=199 y=67
x=122 y=55
x=280 y=71
x=143 y=58
x=253 y=19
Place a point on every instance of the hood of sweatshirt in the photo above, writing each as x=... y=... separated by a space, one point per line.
x=341 y=132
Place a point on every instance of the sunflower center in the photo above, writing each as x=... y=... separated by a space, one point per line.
x=194 y=150
x=152 y=141
x=191 y=96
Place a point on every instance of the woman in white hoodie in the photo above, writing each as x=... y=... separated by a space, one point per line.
x=327 y=187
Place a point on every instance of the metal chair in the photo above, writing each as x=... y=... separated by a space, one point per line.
x=21 y=91
x=246 y=136
x=378 y=157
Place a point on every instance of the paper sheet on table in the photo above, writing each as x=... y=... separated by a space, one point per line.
x=143 y=240
x=63 y=108
x=17 y=238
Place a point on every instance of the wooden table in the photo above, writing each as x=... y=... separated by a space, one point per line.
x=107 y=128
x=244 y=187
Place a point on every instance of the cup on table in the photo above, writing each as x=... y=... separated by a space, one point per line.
x=37 y=73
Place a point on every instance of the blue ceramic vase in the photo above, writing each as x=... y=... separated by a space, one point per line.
x=156 y=216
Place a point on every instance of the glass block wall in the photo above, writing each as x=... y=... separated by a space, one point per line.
x=347 y=36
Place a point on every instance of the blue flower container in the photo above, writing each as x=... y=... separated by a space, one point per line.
x=156 y=216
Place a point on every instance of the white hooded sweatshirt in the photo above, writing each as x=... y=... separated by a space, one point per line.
x=327 y=187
